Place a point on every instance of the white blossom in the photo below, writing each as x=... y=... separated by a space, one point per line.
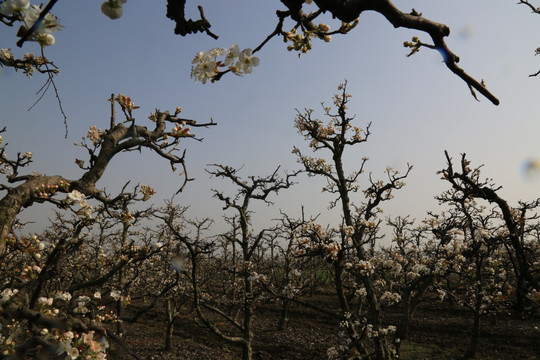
x=76 y=196
x=9 y=7
x=246 y=61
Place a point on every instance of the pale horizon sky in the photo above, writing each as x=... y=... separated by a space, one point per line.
x=417 y=107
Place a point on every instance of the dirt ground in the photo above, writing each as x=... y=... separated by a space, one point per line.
x=436 y=333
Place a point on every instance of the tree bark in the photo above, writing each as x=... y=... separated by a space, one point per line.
x=284 y=317
x=171 y=316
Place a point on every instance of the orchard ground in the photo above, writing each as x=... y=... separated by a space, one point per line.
x=438 y=332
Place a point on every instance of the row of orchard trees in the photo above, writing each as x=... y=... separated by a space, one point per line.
x=70 y=291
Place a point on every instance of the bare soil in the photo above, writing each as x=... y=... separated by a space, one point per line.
x=436 y=333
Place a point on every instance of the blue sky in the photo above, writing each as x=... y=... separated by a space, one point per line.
x=417 y=107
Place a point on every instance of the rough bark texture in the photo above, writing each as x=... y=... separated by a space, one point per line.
x=20 y=197
x=116 y=139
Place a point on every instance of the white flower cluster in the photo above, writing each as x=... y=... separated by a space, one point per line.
x=332 y=353
x=315 y=164
x=180 y=130
x=391 y=266
x=361 y=293
x=147 y=192
x=116 y=294
x=29 y=15
x=348 y=230
x=82 y=346
x=30 y=272
x=372 y=333
x=94 y=134
x=6 y=294
x=257 y=278
x=391 y=329
x=365 y=267
x=64 y=296
x=302 y=42
x=12 y=7
x=5 y=55
x=205 y=65
x=28 y=64
x=332 y=250
x=442 y=294
x=417 y=271
x=77 y=197
x=290 y=291
x=389 y=298
x=82 y=302
x=45 y=301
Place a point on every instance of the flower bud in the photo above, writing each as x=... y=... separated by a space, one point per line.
x=112 y=8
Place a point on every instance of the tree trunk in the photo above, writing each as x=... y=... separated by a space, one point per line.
x=382 y=352
x=283 y=319
x=247 y=351
x=410 y=304
x=521 y=293
x=473 y=346
x=403 y=327
x=119 y=313
x=171 y=316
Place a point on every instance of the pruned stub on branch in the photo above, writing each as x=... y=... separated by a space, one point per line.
x=176 y=12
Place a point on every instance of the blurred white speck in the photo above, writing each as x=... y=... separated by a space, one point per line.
x=530 y=170
x=466 y=31
x=178 y=263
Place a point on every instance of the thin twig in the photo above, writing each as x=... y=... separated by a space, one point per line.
x=43 y=90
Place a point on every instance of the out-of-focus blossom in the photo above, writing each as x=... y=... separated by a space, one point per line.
x=112 y=8
x=9 y=7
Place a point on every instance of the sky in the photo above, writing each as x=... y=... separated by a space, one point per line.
x=417 y=107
